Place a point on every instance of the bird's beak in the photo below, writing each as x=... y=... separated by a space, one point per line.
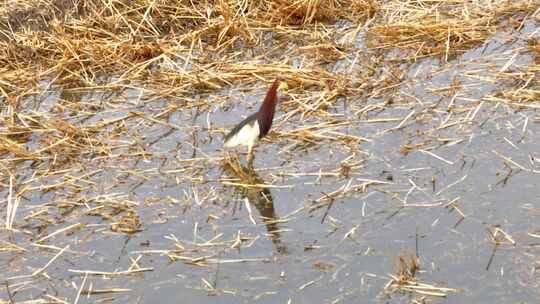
x=283 y=87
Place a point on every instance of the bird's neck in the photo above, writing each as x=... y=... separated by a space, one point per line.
x=267 y=109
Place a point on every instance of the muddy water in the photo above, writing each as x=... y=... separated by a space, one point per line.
x=397 y=203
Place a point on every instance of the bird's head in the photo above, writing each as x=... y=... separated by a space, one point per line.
x=283 y=87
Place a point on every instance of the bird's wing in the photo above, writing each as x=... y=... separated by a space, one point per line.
x=232 y=139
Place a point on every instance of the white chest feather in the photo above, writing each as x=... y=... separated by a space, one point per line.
x=247 y=136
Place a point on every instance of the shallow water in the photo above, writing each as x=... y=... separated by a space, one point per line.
x=320 y=250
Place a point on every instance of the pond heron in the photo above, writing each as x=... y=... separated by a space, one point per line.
x=257 y=125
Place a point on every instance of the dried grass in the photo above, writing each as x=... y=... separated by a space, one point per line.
x=428 y=28
x=405 y=281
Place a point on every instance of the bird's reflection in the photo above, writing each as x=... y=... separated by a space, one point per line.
x=260 y=197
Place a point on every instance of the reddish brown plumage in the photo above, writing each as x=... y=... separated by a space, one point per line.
x=267 y=109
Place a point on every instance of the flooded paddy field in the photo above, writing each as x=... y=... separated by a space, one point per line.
x=403 y=165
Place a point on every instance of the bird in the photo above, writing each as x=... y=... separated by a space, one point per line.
x=257 y=125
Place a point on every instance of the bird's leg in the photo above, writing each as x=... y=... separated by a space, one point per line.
x=250 y=157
